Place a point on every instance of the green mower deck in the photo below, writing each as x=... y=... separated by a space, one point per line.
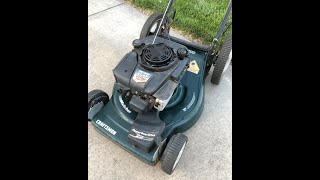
x=114 y=120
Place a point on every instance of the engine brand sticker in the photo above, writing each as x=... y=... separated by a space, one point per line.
x=106 y=127
x=193 y=67
x=141 y=76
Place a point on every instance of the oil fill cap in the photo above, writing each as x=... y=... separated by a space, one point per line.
x=182 y=53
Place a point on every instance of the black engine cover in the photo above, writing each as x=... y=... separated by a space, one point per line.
x=149 y=66
x=125 y=69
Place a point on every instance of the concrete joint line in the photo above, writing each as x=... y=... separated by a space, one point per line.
x=105 y=9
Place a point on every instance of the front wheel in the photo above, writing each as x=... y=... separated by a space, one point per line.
x=96 y=100
x=173 y=152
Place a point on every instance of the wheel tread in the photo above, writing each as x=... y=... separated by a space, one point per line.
x=221 y=61
x=171 y=152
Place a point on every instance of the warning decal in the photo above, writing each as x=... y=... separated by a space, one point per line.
x=193 y=67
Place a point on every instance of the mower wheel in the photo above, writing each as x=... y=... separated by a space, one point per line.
x=96 y=100
x=223 y=61
x=151 y=25
x=173 y=152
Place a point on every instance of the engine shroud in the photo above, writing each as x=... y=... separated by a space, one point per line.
x=148 y=75
x=155 y=56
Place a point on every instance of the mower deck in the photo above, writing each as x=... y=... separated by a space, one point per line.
x=115 y=120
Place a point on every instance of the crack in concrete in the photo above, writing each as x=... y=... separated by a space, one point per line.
x=105 y=9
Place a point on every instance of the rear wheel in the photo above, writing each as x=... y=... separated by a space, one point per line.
x=150 y=27
x=173 y=152
x=223 y=61
x=96 y=100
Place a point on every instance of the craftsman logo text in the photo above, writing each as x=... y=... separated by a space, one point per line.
x=106 y=127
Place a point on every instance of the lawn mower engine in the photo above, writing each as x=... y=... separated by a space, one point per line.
x=146 y=78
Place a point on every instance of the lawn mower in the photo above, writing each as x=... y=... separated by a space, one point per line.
x=159 y=90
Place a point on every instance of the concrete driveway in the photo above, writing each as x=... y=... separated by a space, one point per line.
x=113 y=25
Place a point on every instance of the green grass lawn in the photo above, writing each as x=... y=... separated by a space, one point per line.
x=198 y=18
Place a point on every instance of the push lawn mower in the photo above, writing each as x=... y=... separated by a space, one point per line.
x=159 y=91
